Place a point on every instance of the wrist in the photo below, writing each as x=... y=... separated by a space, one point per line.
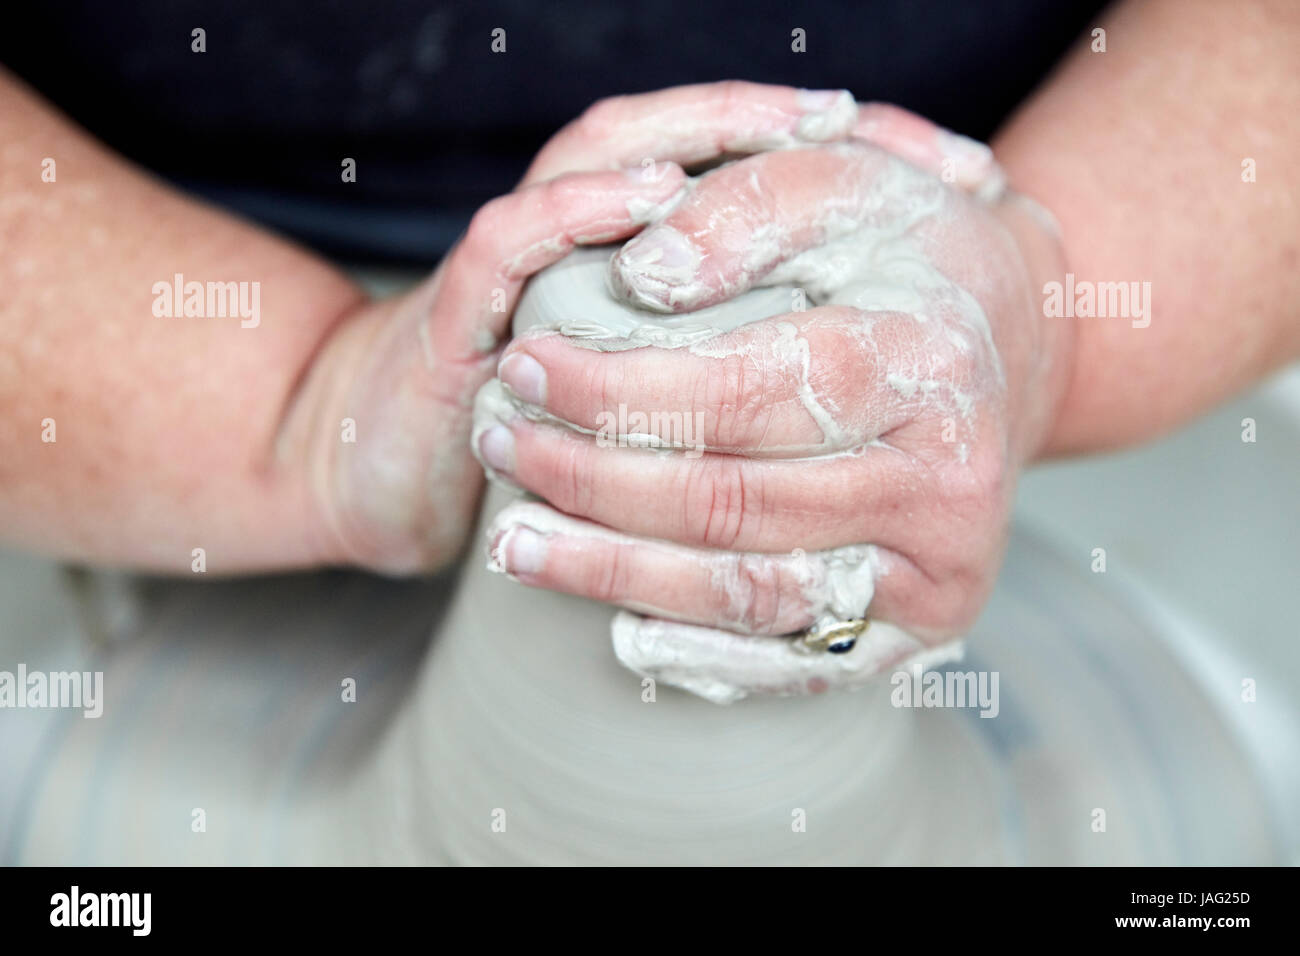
x=1046 y=350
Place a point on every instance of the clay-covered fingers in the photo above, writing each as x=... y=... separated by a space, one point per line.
x=703 y=500
x=742 y=592
x=719 y=624
x=934 y=532
x=953 y=158
x=724 y=667
x=744 y=220
x=808 y=383
x=515 y=235
x=693 y=124
x=405 y=373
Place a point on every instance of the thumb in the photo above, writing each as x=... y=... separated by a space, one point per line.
x=385 y=411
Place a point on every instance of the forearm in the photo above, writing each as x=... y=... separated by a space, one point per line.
x=132 y=437
x=324 y=429
x=1138 y=154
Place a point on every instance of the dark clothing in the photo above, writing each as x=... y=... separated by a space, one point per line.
x=438 y=123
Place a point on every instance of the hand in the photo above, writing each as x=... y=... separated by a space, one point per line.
x=864 y=450
x=403 y=496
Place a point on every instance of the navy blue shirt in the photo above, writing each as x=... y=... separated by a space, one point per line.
x=438 y=123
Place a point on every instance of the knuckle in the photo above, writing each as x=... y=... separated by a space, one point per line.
x=963 y=570
x=486 y=219
x=559 y=195
x=565 y=478
x=734 y=388
x=597 y=119
x=951 y=608
x=755 y=596
x=733 y=94
x=964 y=590
x=980 y=484
x=949 y=354
x=965 y=501
x=485 y=225
x=604 y=386
x=721 y=502
x=610 y=579
x=974 y=488
x=839 y=361
x=943 y=601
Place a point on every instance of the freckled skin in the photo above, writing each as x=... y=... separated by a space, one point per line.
x=230 y=438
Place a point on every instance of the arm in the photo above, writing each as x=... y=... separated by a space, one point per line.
x=170 y=420
x=176 y=433
x=1138 y=153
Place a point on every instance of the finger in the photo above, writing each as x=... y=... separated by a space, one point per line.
x=703 y=500
x=747 y=593
x=807 y=383
x=723 y=667
x=518 y=234
x=951 y=157
x=743 y=220
x=406 y=371
x=938 y=604
x=692 y=124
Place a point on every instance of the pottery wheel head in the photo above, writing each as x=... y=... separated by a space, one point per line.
x=574 y=297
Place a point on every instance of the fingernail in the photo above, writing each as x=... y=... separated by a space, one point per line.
x=976 y=165
x=497 y=446
x=524 y=376
x=831 y=115
x=525 y=551
x=651 y=266
x=648 y=172
x=962 y=147
x=660 y=250
x=817 y=99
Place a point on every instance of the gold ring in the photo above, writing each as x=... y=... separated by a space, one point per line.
x=835 y=637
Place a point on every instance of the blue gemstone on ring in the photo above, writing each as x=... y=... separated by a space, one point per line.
x=842 y=647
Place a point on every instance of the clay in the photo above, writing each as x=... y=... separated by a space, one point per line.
x=523 y=718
